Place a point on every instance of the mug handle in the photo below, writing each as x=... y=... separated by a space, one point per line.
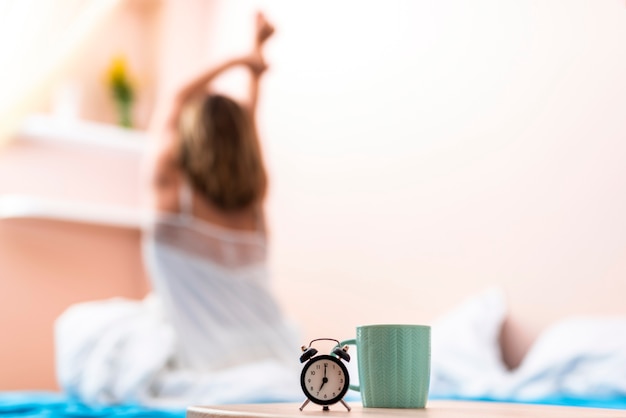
x=351 y=341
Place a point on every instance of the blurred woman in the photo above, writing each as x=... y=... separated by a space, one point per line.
x=207 y=252
x=211 y=330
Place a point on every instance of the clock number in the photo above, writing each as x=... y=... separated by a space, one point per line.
x=340 y=380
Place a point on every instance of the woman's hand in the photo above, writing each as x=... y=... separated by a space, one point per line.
x=264 y=29
x=255 y=63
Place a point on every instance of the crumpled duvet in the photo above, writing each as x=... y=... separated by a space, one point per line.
x=121 y=351
x=580 y=357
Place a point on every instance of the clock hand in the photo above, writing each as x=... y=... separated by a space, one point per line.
x=325 y=379
x=323 y=382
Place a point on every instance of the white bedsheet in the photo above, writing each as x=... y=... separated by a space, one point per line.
x=121 y=351
x=582 y=357
x=579 y=357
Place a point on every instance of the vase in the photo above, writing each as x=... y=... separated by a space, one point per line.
x=124 y=113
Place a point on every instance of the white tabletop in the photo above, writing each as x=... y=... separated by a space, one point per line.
x=434 y=409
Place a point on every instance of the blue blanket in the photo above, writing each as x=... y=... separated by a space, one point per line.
x=608 y=403
x=55 y=405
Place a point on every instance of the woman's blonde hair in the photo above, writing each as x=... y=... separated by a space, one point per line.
x=220 y=152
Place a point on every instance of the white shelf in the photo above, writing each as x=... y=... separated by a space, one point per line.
x=42 y=127
x=31 y=207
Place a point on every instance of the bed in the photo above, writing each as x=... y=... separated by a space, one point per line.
x=476 y=320
x=71 y=246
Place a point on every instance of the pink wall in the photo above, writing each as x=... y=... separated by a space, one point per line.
x=421 y=151
x=423 y=148
x=46 y=266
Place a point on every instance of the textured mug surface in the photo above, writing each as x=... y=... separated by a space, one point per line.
x=393 y=365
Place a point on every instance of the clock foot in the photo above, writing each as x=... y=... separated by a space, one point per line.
x=325 y=408
x=345 y=404
x=305 y=404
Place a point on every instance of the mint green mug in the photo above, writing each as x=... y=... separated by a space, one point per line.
x=393 y=365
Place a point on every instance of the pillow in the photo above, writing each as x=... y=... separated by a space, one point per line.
x=466 y=356
x=582 y=357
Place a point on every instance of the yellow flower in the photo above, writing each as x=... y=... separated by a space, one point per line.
x=118 y=79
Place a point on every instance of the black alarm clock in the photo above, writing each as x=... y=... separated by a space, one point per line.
x=324 y=379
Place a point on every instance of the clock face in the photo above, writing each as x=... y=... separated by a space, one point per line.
x=324 y=380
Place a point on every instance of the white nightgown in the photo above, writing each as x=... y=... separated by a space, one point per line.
x=210 y=332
